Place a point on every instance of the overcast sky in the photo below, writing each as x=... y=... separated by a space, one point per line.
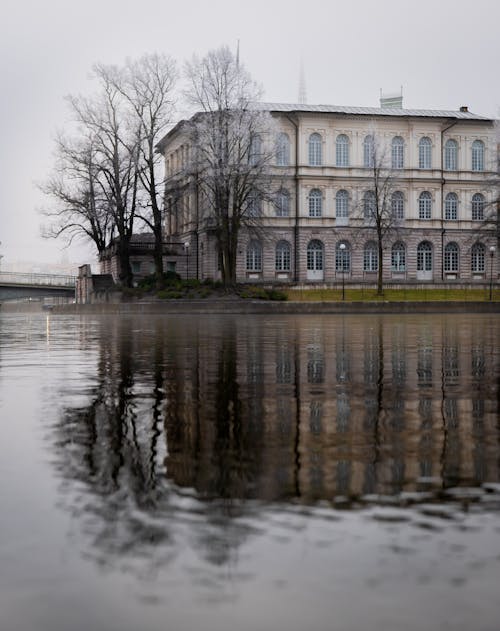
x=445 y=54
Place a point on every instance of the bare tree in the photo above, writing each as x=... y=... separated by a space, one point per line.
x=381 y=206
x=147 y=88
x=117 y=138
x=80 y=209
x=232 y=148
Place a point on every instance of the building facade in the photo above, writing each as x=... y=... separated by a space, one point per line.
x=317 y=227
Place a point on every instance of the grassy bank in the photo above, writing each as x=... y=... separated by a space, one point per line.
x=393 y=295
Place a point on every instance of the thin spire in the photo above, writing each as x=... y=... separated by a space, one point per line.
x=302 y=85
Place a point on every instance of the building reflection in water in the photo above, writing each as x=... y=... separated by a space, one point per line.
x=302 y=409
x=180 y=420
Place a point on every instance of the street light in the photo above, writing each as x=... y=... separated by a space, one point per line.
x=492 y=254
x=342 y=247
x=186 y=246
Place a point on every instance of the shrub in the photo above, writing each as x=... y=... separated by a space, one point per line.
x=169 y=294
x=191 y=283
x=255 y=292
x=276 y=294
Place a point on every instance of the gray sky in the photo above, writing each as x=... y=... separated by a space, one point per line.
x=445 y=54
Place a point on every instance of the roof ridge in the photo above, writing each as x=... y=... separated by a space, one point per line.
x=370 y=111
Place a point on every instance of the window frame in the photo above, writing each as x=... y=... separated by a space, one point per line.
x=315 y=149
x=283 y=256
x=477 y=155
x=451 y=155
x=368 y=151
x=342 y=151
x=397 y=152
x=315 y=203
x=398 y=257
x=425 y=153
x=343 y=257
x=478 y=258
x=370 y=257
x=254 y=205
x=425 y=255
x=398 y=205
x=315 y=252
x=254 y=256
x=478 y=203
x=451 y=257
x=425 y=206
x=342 y=204
x=283 y=150
x=451 y=207
x=282 y=203
x=255 y=150
x=369 y=206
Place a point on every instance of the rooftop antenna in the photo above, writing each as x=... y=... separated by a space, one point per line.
x=302 y=85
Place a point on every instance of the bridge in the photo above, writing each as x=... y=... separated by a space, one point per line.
x=17 y=286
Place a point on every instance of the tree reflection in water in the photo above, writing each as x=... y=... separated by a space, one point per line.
x=195 y=421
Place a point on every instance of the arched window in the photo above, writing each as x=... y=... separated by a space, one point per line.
x=424 y=257
x=370 y=257
x=342 y=151
x=315 y=203
x=315 y=255
x=398 y=257
x=478 y=155
x=254 y=256
x=397 y=152
x=398 y=205
x=451 y=257
x=425 y=205
x=425 y=153
x=315 y=150
x=282 y=203
x=255 y=151
x=342 y=257
x=451 y=155
x=283 y=150
x=283 y=251
x=254 y=205
x=477 y=207
x=451 y=207
x=477 y=257
x=342 y=204
x=368 y=151
x=369 y=206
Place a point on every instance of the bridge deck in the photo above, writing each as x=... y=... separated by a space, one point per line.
x=16 y=279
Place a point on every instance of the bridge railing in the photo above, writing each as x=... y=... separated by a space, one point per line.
x=53 y=280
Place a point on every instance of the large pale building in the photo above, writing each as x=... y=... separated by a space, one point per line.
x=316 y=230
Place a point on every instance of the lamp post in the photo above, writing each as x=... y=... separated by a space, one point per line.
x=492 y=254
x=342 y=262
x=186 y=247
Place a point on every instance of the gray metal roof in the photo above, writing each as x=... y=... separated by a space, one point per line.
x=369 y=111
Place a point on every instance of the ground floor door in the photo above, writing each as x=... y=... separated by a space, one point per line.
x=315 y=269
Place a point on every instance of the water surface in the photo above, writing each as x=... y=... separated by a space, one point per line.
x=319 y=472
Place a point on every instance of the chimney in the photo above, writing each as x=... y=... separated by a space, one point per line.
x=393 y=100
x=464 y=108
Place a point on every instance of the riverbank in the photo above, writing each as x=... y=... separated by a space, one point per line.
x=245 y=307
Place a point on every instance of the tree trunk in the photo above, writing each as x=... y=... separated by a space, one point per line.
x=125 y=275
x=380 y=275
x=158 y=254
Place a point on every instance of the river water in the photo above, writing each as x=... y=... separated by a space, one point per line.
x=236 y=472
